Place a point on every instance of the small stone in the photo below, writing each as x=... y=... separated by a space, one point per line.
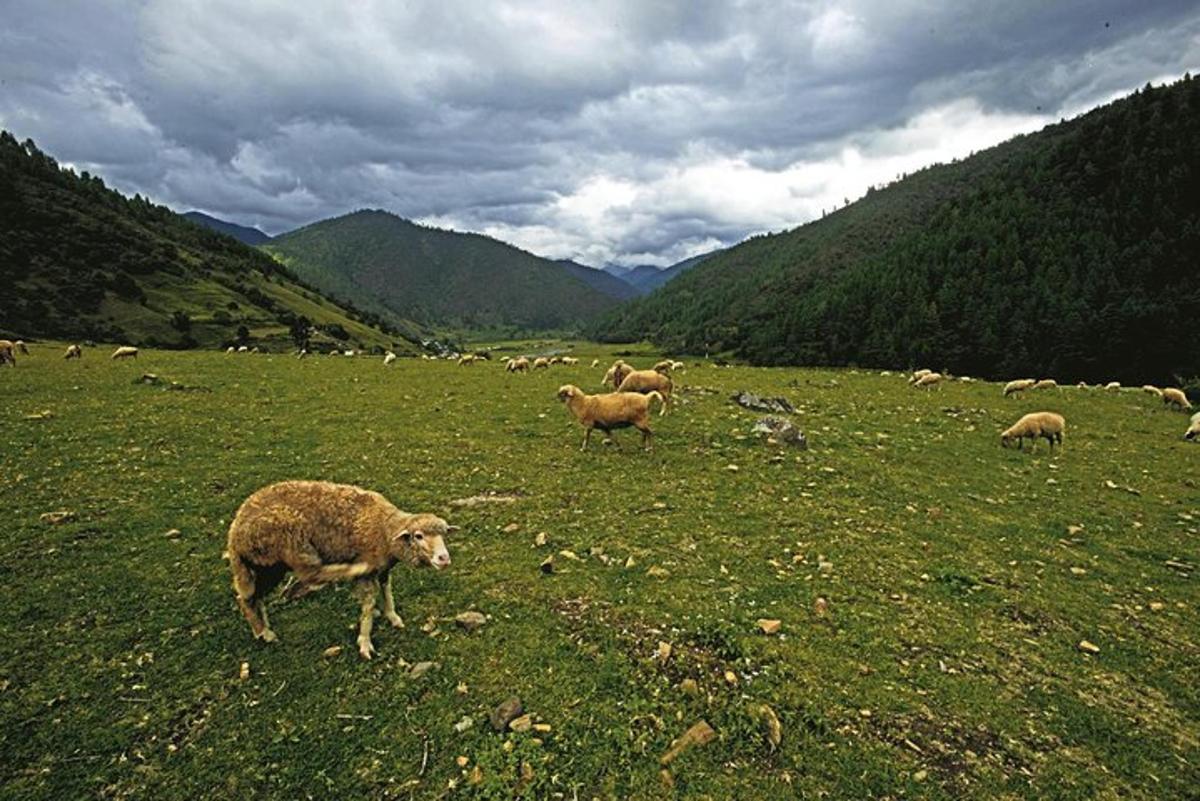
x=664 y=651
x=920 y=775
x=1078 y=571
x=769 y=626
x=1088 y=647
x=511 y=528
x=1073 y=530
x=574 y=557
x=866 y=713
x=54 y=518
x=825 y=567
x=173 y=534
x=630 y=562
x=731 y=677
x=547 y=565
x=1157 y=606
x=461 y=688
x=542 y=728
x=771 y=726
x=820 y=607
x=331 y=651
x=732 y=468
x=476 y=775
x=699 y=734
x=462 y=761
x=690 y=687
x=521 y=724
x=658 y=572
x=244 y=671
x=540 y=539
x=421 y=668
x=504 y=713
x=470 y=620
x=463 y=725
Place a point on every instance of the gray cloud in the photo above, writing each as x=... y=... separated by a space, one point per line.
x=612 y=131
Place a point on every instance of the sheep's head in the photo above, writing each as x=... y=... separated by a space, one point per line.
x=1005 y=439
x=422 y=541
x=568 y=391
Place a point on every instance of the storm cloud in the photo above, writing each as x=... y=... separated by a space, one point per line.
x=625 y=132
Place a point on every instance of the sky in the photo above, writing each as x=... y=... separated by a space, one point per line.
x=608 y=132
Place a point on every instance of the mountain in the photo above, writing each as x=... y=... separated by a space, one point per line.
x=250 y=236
x=80 y=261
x=1071 y=252
x=600 y=280
x=647 y=281
x=443 y=278
x=616 y=270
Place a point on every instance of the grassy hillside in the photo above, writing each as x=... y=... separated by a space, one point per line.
x=958 y=579
x=1070 y=252
x=79 y=260
x=437 y=277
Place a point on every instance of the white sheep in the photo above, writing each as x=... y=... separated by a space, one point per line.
x=388 y=358
x=125 y=352
x=1194 y=427
x=326 y=532
x=541 y=363
x=20 y=345
x=595 y=362
x=1046 y=383
x=231 y=349
x=1020 y=385
x=243 y=349
x=929 y=380
x=73 y=352
x=609 y=412
x=1047 y=425
x=918 y=375
x=1175 y=397
x=1150 y=389
x=1113 y=385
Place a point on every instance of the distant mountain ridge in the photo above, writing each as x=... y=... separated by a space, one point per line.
x=242 y=233
x=438 y=277
x=600 y=280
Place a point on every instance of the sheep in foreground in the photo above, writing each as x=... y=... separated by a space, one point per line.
x=73 y=352
x=616 y=374
x=1175 y=397
x=541 y=363
x=1046 y=383
x=388 y=358
x=1033 y=426
x=929 y=380
x=326 y=532
x=1150 y=389
x=6 y=353
x=1020 y=385
x=124 y=352
x=610 y=412
x=649 y=381
x=918 y=375
x=1194 y=427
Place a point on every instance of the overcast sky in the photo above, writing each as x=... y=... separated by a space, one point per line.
x=626 y=132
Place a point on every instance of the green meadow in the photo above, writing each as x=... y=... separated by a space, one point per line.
x=933 y=589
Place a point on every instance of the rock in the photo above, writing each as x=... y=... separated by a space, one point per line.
x=462 y=761
x=1157 y=606
x=465 y=724
x=1088 y=647
x=630 y=562
x=699 y=734
x=540 y=539
x=507 y=710
x=779 y=431
x=461 y=688
x=820 y=607
x=55 y=518
x=511 y=528
x=470 y=620
x=748 y=400
x=173 y=534
x=1077 y=571
x=331 y=651
x=547 y=565
x=421 y=668
x=664 y=651
x=769 y=626
x=731 y=677
x=658 y=572
x=574 y=557
x=667 y=780
x=476 y=775
x=690 y=687
x=542 y=728
x=244 y=671
x=772 y=728
x=521 y=723
x=920 y=775
x=732 y=468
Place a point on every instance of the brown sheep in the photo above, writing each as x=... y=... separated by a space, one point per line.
x=616 y=374
x=517 y=365
x=1175 y=397
x=1049 y=425
x=649 y=381
x=125 y=352
x=609 y=412
x=6 y=353
x=326 y=532
x=541 y=363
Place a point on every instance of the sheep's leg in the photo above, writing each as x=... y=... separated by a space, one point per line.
x=587 y=437
x=365 y=590
x=251 y=604
x=646 y=439
x=389 y=602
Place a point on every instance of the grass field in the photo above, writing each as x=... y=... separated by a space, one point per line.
x=958 y=581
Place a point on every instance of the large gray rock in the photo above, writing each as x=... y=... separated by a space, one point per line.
x=781 y=431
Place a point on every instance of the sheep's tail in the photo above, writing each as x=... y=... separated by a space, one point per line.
x=654 y=394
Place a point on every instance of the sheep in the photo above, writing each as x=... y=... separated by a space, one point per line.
x=388 y=358
x=124 y=352
x=325 y=532
x=648 y=381
x=231 y=349
x=1150 y=389
x=918 y=375
x=609 y=412
x=570 y=361
x=6 y=353
x=556 y=359
x=466 y=360
x=1175 y=397
x=300 y=354
x=595 y=363
x=929 y=380
x=1046 y=383
x=517 y=365
x=664 y=367
x=541 y=363
x=616 y=374
x=73 y=352
x=349 y=353
x=20 y=345
x=1113 y=385
x=1020 y=385
x=1049 y=425
x=1194 y=427
x=243 y=349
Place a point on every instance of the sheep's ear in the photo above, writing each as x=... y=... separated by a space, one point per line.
x=403 y=536
x=452 y=529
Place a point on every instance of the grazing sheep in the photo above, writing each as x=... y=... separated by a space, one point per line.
x=541 y=363
x=609 y=412
x=466 y=359
x=243 y=349
x=517 y=365
x=929 y=380
x=1020 y=385
x=1150 y=389
x=125 y=352
x=326 y=532
x=388 y=358
x=556 y=359
x=570 y=360
x=664 y=367
x=595 y=362
x=649 y=381
x=1046 y=383
x=1175 y=397
x=20 y=345
x=6 y=353
x=73 y=352
x=1194 y=428
x=1049 y=425
x=918 y=375
x=231 y=349
x=348 y=353
x=1113 y=385
x=616 y=374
